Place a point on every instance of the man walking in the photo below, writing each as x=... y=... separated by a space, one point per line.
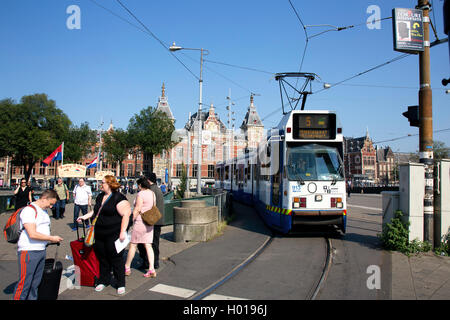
x=63 y=195
x=82 y=195
x=35 y=223
x=157 y=227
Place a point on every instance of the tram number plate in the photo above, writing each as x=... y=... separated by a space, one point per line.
x=296 y=188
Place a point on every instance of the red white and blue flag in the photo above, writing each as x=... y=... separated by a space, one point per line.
x=93 y=163
x=55 y=155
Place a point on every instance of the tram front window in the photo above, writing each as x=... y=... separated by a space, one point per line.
x=314 y=162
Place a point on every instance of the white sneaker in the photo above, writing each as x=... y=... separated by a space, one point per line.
x=121 y=290
x=100 y=287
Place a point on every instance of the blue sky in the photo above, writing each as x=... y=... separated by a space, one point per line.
x=109 y=69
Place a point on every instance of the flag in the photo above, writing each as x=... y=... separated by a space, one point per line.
x=93 y=163
x=55 y=155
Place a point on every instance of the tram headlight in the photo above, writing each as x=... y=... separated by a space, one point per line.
x=318 y=197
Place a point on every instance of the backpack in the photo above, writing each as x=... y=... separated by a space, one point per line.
x=12 y=229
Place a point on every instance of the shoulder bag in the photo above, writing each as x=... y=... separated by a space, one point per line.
x=150 y=217
x=89 y=240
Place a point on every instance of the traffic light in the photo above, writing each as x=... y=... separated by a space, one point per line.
x=413 y=116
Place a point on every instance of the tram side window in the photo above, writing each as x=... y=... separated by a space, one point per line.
x=227 y=173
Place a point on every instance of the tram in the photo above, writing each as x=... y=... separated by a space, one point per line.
x=296 y=175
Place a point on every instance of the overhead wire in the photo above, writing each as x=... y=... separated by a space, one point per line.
x=352 y=77
x=145 y=30
x=409 y=135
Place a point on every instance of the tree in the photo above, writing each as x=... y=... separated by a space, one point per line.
x=116 y=144
x=79 y=142
x=440 y=150
x=181 y=189
x=31 y=130
x=151 y=132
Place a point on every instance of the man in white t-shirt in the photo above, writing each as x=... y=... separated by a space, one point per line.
x=82 y=195
x=35 y=225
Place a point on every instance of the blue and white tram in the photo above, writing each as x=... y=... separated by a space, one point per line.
x=296 y=176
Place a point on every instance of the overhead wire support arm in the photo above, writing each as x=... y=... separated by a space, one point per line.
x=280 y=77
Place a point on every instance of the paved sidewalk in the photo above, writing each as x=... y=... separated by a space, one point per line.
x=425 y=276
x=420 y=277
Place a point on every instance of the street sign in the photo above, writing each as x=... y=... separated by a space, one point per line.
x=408 y=30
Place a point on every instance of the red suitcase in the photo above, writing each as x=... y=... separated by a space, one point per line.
x=85 y=259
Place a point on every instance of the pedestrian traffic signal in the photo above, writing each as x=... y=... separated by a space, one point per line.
x=413 y=116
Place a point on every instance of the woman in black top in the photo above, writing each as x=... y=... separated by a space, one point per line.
x=23 y=194
x=113 y=210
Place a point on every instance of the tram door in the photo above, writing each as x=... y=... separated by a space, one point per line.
x=276 y=161
x=275 y=172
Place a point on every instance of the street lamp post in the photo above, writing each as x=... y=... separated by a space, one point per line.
x=174 y=47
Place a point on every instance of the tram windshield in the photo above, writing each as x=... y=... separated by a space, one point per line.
x=314 y=162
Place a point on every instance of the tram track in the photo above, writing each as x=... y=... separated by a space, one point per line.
x=313 y=292
x=325 y=271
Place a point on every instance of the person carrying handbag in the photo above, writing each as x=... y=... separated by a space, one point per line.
x=142 y=233
x=113 y=211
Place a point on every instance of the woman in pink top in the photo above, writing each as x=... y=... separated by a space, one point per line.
x=142 y=233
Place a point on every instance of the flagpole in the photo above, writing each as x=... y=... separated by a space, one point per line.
x=62 y=155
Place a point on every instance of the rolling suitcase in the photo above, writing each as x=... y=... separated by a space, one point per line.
x=85 y=259
x=49 y=287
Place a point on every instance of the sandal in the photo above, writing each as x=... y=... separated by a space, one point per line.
x=100 y=287
x=150 y=274
x=127 y=271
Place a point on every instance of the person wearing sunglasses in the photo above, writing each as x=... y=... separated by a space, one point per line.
x=22 y=194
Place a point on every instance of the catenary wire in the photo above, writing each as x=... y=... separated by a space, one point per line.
x=345 y=80
x=145 y=30
x=409 y=135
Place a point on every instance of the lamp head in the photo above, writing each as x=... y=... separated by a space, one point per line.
x=174 y=47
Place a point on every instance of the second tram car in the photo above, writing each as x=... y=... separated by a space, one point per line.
x=296 y=176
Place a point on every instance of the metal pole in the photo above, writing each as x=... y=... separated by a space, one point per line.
x=188 y=156
x=426 y=124
x=199 y=119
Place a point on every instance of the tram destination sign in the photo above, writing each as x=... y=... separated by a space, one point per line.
x=314 y=126
x=407 y=30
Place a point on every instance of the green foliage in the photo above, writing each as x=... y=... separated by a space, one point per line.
x=440 y=151
x=395 y=237
x=116 y=144
x=444 y=248
x=31 y=130
x=79 y=142
x=151 y=131
x=181 y=189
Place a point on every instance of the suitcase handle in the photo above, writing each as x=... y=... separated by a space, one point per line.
x=56 y=251
x=84 y=230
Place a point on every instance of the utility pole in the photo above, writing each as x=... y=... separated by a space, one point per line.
x=230 y=135
x=188 y=153
x=100 y=160
x=426 y=123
